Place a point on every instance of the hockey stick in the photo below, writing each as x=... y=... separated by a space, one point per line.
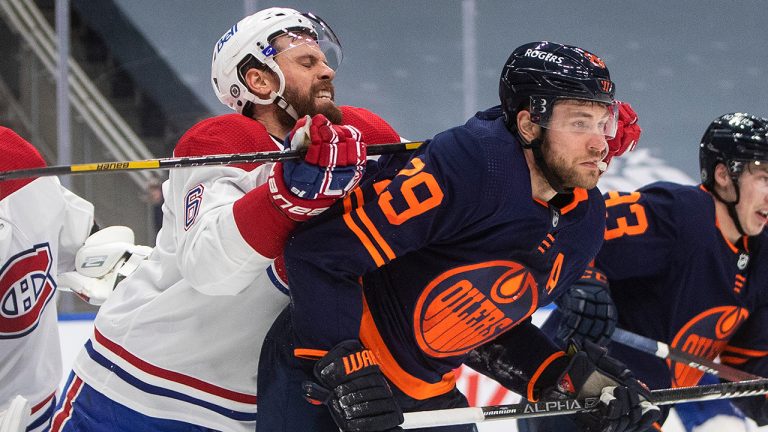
x=525 y=409
x=185 y=162
x=664 y=351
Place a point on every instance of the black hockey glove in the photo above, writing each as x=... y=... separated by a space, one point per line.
x=353 y=388
x=588 y=312
x=755 y=407
x=624 y=401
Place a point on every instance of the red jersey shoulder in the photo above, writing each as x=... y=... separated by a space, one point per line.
x=225 y=134
x=374 y=129
x=17 y=154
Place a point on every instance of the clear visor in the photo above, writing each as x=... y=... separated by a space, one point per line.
x=577 y=116
x=319 y=41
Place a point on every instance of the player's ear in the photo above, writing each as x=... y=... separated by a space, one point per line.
x=527 y=129
x=723 y=180
x=259 y=82
x=722 y=177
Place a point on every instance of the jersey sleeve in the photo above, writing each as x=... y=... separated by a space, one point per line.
x=76 y=226
x=520 y=360
x=431 y=197
x=640 y=227
x=226 y=230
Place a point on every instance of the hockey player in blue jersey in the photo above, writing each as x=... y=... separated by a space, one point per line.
x=450 y=250
x=698 y=276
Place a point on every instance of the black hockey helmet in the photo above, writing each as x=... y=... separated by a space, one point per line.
x=547 y=71
x=733 y=140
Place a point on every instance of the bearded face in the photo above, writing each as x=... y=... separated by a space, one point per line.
x=572 y=165
x=308 y=79
x=318 y=99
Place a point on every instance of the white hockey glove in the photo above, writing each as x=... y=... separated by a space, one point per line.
x=14 y=419
x=107 y=257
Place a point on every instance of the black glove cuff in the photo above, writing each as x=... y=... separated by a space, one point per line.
x=546 y=378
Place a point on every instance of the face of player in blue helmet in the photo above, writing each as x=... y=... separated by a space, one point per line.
x=733 y=158
x=567 y=92
x=573 y=153
x=752 y=208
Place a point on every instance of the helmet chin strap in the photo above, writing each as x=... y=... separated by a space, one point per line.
x=731 y=206
x=538 y=156
x=282 y=103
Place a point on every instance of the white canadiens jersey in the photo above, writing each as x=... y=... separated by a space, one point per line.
x=180 y=338
x=42 y=225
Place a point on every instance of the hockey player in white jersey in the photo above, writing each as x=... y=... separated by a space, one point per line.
x=42 y=225
x=176 y=346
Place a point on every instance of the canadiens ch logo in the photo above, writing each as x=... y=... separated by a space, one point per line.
x=26 y=287
x=470 y=305
x=705 y=335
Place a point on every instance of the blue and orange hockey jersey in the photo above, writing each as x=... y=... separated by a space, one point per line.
x=438 y=254
x=675 y=278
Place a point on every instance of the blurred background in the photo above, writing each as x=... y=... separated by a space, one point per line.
x=139 y=71
x=139 y=76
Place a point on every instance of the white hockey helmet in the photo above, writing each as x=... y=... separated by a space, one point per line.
x=248 y=44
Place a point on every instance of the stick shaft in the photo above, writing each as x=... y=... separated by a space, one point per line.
x=525 y=409
x=186 y=162
x=662 y=350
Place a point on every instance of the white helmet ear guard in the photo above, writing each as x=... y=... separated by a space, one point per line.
x=249 y=44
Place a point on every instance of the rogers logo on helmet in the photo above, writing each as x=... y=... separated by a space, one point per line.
x=549 y=57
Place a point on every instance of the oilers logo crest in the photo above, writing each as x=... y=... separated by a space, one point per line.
x=705 y=335
x=26 y=287
x=470 y=305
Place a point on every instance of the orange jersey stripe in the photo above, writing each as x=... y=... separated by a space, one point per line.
x=732 y=360
x=538 y=373
x=364 y=240
x=309 y=354
x=746 y=352
x=579 y=195
x=375 y=234
x=731 y=246
x=409 y=384
x=348 y=202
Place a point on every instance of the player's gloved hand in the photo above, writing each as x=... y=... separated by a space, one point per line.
x=107 y=257
x=353 y=388
x=624 y=401
x=627 y=133
x=755 y=407
x=332 y=167
x=587 y=310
